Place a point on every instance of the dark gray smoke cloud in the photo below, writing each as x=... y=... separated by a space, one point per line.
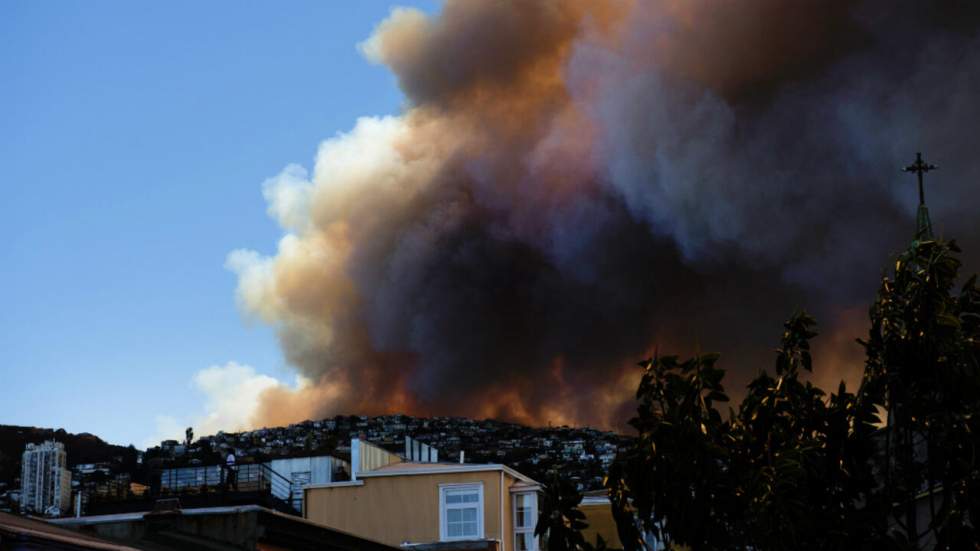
x=575 y=185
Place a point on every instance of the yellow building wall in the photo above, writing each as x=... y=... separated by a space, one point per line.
x=601 y=522
x=405 y=508
x=508 y=519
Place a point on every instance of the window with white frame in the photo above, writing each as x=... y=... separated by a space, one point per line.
x=460 y=511
x=525 y=519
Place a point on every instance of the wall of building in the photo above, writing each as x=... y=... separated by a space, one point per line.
x=601 y=522
x=243 y=527
x=45 y=479
x=398 y=509
x=62 y=496
x=320 y=469
x=508 y=512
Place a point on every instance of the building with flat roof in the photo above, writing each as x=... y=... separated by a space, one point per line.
x=416 y=503
x=45 y=479
x=19 y=533
x=244 y=528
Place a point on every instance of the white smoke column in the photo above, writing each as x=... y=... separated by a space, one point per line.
x=233 y=395
x=306 y=290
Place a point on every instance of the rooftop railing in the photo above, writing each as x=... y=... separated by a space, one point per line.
x=213 y=484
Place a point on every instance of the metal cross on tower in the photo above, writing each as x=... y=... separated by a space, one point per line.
x=920 y=168
x=923 y=226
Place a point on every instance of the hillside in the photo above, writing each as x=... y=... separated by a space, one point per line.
x=579 y=454
x=82 y=448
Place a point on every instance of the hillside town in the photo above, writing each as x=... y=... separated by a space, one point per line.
x=552 y=275
x=315 y=470
x=580 y=455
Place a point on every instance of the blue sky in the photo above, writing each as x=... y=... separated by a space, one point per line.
x=135 y=140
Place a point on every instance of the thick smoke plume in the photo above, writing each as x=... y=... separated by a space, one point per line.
x=574 y=185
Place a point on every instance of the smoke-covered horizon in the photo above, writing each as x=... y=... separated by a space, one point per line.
x=574 y=185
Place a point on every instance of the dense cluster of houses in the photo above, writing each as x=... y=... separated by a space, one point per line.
x=370 y=497
x=350 y=482
x=582 y=455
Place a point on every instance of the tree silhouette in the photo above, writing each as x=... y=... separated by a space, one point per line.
x=560 y=523
x=922 y=368
x=794 y=468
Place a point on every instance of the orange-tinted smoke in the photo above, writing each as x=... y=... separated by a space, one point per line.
x=571 y=185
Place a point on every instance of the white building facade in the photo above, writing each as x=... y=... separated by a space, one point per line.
x=302 y=471
x=45 y=479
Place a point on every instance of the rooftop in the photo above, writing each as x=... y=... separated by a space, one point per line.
x=410 y=468
x=219 y=527
x=28 y=531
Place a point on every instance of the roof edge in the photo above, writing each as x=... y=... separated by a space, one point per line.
x=449 y=469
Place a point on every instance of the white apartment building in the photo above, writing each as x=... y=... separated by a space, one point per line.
x=45 y=479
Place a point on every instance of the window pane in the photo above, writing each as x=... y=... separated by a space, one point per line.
x=525 y=541
x=461 y=512
x=524 y=511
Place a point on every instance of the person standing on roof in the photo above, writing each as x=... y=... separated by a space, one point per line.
x=232 y=479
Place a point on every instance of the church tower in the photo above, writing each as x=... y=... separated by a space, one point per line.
x=923 y=226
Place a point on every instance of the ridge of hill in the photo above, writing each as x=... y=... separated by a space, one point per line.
x=83 y=447
x=581 y=455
